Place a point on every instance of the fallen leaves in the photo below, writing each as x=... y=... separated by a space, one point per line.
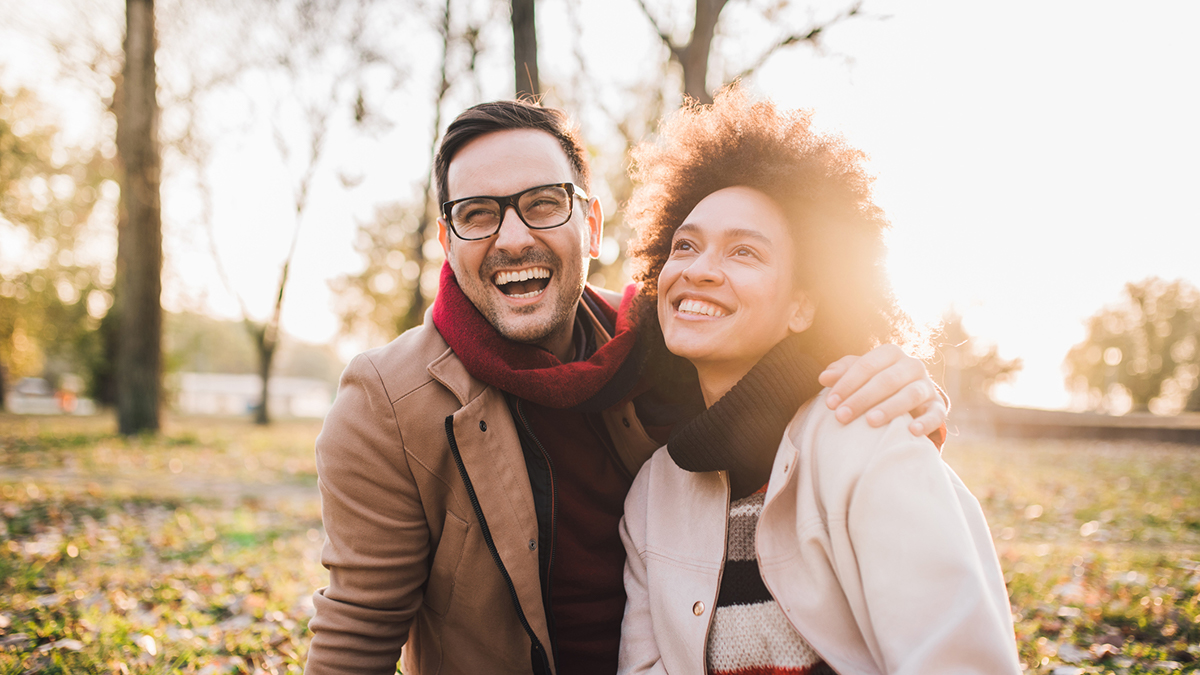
x=119 y=569
x=1098 y=544
x=198 y=552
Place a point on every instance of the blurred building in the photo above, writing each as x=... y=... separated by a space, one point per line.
x=229 y=394
x=36 y=396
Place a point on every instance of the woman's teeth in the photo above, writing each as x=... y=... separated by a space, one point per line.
x=699 y=307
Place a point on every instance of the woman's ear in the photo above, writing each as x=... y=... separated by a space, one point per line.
x=806 y=309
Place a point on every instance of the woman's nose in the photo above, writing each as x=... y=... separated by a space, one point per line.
x=703 y=270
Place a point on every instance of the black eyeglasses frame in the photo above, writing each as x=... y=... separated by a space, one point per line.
x=513 y=200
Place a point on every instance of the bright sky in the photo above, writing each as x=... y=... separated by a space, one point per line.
x=1033 y=156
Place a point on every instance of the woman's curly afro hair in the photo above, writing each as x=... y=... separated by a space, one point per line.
x=818 y=181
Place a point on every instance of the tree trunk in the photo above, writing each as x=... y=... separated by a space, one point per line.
x=266 y=354
x=139 y=268
x=694 y=57
x=1193 y=401
x=3 y=378
x=525 y=48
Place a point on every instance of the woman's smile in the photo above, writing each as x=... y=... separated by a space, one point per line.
x=689 y=307
x=726 y=293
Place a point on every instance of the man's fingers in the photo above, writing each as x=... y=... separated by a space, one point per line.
x=912 y=398
x=849 y=387
x=891 y=385
x=930 y=420
x=834 y=372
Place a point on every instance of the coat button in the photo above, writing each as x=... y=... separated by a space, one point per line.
x=482 y=425
x=698 y=608
x=532 y=545
x=625 y=421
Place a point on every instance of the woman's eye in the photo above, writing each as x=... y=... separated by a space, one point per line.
x=681 y=245
x=745 y=251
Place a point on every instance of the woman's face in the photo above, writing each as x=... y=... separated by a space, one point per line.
x=725 y=294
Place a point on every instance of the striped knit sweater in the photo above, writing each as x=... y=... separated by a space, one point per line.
x=750 y=634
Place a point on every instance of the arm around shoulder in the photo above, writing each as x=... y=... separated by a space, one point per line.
x=377 y=538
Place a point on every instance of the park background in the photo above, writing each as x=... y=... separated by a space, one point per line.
x=1037 y=161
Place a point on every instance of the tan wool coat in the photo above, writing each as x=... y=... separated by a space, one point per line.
x=409 y=567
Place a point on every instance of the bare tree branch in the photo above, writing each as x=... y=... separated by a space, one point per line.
x=676 y=51
x=416 y=306
x=812 y=36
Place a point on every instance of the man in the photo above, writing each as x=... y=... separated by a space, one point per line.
x=473 y=471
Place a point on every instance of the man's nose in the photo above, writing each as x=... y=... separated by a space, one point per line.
x=514 y=236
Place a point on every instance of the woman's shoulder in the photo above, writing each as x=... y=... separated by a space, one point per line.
x=829 y=446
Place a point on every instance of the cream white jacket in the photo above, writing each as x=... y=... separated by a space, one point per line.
x=875 y=550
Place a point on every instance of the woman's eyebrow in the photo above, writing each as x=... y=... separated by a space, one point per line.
x=746 y=233
x=735 y=233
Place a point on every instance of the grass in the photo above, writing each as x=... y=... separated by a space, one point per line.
x=193 y=552
x=198 y=551
x=1099 y=544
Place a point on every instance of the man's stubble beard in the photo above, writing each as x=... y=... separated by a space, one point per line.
x=570 y=283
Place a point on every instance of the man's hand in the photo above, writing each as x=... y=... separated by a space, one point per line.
x=888 y=383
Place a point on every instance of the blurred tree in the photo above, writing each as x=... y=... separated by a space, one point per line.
x=324 y=54
x=970 y=371
x=196 y=343
x=139 y=230
x=53 y=287
x=694 y=56
x=378 y=301
x=619 y=123
x=1193 y=401
x=422 y=243
x=1142 y=353
x=524 y=28
x=401 y=254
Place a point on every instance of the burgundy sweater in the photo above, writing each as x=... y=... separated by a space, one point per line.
x=587 y=592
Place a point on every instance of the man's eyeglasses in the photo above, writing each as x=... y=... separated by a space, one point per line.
x=541 y=208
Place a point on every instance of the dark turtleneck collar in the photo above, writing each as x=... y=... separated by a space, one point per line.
x=740 y=433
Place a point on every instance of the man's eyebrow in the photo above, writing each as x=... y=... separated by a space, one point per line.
x=735 y=233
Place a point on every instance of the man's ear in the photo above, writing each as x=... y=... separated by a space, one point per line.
x=806 y=309
x=444 y=237
x=595 y=221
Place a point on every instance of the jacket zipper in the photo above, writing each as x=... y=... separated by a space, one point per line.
x=712 y=615
x=538 y=657
x=553 y=519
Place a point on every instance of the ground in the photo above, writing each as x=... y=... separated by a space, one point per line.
x=197 y=551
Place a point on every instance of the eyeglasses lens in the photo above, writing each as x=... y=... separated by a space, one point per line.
x=541 y=208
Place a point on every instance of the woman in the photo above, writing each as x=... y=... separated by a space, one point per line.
x=766 y=537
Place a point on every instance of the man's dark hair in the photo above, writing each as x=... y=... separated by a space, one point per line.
x=486 y=118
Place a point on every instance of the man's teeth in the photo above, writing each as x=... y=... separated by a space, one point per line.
x=503 y=278
x=699 y=307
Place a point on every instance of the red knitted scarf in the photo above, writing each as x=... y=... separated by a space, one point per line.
x=531 y=372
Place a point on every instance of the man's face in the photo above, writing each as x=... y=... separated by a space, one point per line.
x=527 y=283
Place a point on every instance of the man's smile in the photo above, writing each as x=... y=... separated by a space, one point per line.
x=528 y=282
